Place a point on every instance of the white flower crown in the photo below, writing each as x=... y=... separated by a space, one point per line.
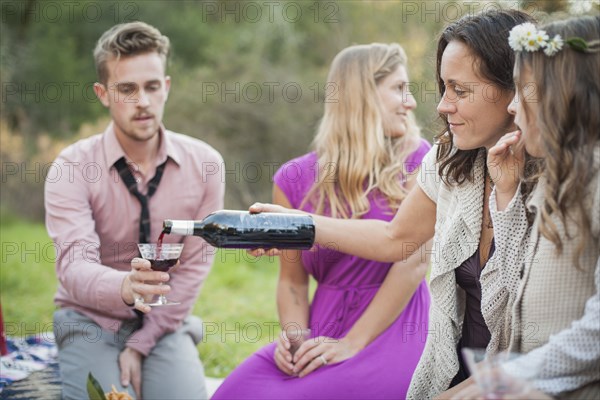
x=526 y=37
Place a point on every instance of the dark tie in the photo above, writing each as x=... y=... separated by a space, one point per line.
x=131 y=185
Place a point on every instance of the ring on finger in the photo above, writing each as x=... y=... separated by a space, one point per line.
x=323 y=359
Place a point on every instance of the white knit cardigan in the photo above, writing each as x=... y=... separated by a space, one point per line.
x=459 y=211
x=556 y=312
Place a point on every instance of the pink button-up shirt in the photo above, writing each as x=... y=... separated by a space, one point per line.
x=94 y=223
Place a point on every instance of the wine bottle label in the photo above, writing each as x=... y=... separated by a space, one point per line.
x=241 y=230
x=184 y=228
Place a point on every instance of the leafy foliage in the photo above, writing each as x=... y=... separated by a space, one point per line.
x=95 y=391
x=248 y=76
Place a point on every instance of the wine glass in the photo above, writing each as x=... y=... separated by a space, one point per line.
x=161 y=258
x=296 y=337
x=489 y=376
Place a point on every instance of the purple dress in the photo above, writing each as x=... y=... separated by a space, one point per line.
x=346 y=286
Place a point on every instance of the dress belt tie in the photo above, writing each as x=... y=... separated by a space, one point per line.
x=350 y=301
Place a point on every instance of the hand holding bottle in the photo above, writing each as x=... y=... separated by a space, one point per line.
x=257 y=208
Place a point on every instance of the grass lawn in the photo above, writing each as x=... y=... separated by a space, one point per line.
x=237 y=303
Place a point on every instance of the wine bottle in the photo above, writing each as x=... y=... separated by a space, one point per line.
x=242 y=230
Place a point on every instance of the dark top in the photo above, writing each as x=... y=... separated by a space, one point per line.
x=475 y=333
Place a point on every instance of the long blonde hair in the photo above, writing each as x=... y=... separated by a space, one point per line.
x=568 y=120
x=355 y=157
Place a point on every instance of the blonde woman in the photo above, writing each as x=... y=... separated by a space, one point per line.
x=367 y=317
x=556 y=314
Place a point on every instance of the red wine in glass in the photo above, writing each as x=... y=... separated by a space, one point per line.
x=162 y=257
x=163 y=265
x=159 y=263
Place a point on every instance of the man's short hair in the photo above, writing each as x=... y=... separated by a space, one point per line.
x=128 y=39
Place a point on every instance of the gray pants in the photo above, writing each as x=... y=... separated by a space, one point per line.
x=172 y=370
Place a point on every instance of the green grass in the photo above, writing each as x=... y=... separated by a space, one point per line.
x=237 y=303
x=27 y=278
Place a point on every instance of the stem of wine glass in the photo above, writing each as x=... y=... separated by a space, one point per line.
x=161 y=297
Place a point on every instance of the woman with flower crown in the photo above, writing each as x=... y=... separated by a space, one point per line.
x=556 y=313
x=450 y=205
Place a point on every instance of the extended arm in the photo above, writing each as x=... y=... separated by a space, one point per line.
x=412 y=226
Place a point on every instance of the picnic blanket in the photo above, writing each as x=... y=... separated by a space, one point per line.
x=30 y=369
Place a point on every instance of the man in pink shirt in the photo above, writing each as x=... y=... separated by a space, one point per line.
x=96 y=221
